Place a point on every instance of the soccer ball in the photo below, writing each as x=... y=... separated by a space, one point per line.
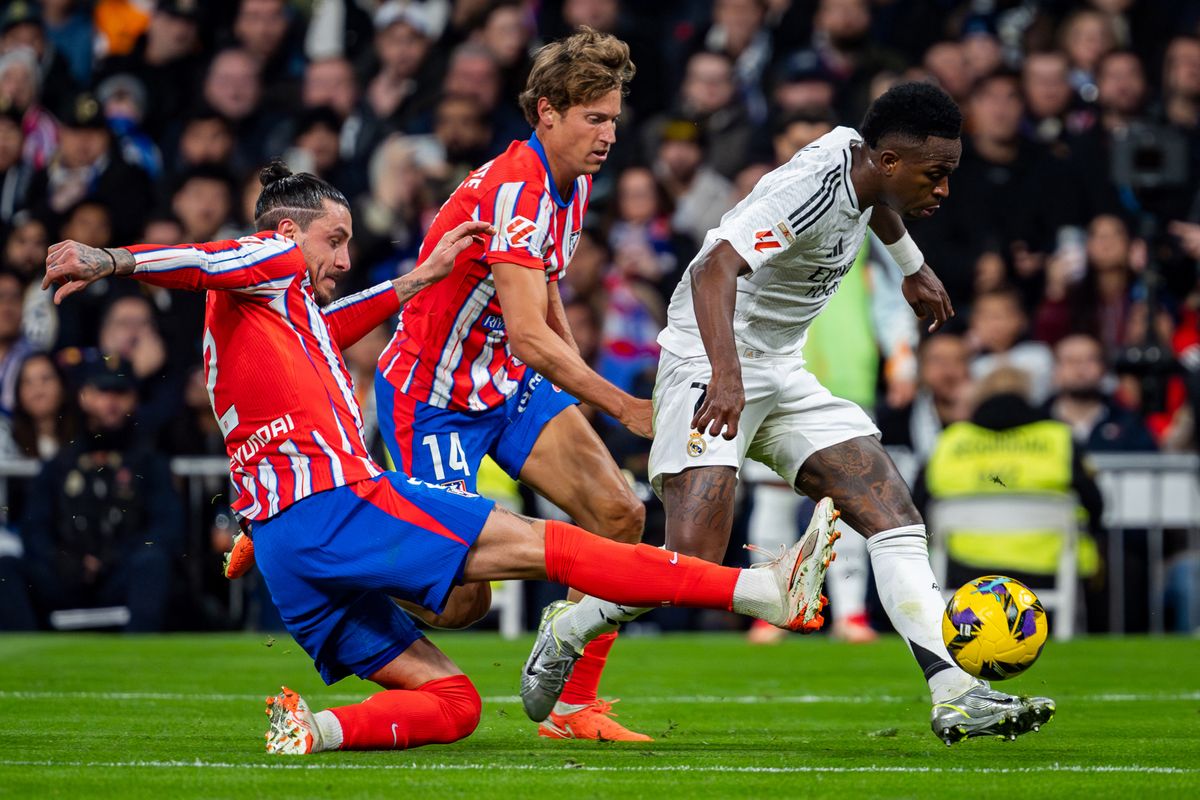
x=994 y=627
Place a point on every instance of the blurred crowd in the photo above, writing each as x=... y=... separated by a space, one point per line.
x=139 y=121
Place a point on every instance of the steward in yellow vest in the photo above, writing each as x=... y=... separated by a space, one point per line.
x=1009 y=447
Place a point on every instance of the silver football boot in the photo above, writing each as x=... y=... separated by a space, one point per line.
x=982 y=711
x=549 y=665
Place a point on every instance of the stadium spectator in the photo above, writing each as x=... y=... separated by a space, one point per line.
x=1181 y=83
x=316 y=145
x=20 y=91
x=463 y=133
x=14 y=170
x=88 y=166
x=207 y=137
x=1010 y=197
x=129 y=333
x=123 y=98
x=203 y=202
x=115 y=538
x=391 y=217
x=474 y=72
x=1091 y=294
x=1098 y=423
x=507 y=32
x=22 y=27
x=1051 y=112
x=88 y=221
x=68 y=27
x=44 y=419
x=739 y=32
x=708 y=97
x=1086 y=36
x=403 y=84
x=14 y=348
x=233 y=87
x=166 y=57
x=699 y=193
x=841 y=37
x=943 y=383
x=946 y=62
x=802 y=82
x=996 y=333
x=260 y=28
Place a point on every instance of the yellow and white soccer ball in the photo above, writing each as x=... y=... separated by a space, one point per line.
x=994 y=627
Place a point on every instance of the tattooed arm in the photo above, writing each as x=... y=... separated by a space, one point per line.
x=75 y=266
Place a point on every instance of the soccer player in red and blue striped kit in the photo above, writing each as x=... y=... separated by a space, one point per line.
x=336 y=537
x=484 y=364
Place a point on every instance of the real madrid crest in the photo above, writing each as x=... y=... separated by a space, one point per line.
x=696 y=445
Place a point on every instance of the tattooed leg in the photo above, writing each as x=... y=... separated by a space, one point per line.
x=864 y=484
x=699 y=508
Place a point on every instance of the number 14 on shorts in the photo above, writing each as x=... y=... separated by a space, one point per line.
x=457 y=456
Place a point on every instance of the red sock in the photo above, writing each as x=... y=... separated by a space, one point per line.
x=438 y=712
x=582 y=688
x=637 y=575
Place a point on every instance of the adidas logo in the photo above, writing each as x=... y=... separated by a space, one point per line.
x=836 y=251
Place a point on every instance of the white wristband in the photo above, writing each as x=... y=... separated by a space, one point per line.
x=907 y=254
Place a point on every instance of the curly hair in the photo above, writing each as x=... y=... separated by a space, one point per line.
x=914 y=110
x=578 y=69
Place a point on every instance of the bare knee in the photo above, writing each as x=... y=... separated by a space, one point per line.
x=621 y=517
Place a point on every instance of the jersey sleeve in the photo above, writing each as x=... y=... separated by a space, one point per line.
x=783 y=212
x=351 y=318
x=253 y=265
x=523 y=225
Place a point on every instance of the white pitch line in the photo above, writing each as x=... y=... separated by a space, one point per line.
x=764 y=699
x=320 y=764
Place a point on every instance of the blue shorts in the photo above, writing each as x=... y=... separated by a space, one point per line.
x=445 y=447
x=333 y=560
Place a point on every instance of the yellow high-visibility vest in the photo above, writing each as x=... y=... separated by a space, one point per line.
x=1027 y=459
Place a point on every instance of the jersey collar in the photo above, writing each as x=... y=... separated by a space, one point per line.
x=536 y=146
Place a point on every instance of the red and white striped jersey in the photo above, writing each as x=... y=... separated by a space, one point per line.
x=273 y=365
x=450 y=349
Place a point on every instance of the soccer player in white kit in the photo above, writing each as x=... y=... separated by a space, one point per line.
x=732 y=384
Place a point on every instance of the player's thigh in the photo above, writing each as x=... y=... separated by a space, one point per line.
x=699 y=503
x=678 y=392
x=421 y=663
x=864 y=483
x=570 y=466
x=467 y=604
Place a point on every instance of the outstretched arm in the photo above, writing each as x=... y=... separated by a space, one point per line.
x=921 y=287
x=714 y=292
x=249 y=265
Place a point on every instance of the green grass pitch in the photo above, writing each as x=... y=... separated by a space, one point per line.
x=182 y=716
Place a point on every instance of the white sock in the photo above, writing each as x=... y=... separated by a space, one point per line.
x=914 y=604
x=329 y=731
x=756 y=594
x=591 y=617
x=847 y=578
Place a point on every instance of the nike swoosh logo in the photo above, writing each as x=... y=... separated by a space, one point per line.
x=674 y=558
x=533 y=659
x=395 y=725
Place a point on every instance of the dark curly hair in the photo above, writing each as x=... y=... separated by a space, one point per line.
x=299 y=197
x=913 y=110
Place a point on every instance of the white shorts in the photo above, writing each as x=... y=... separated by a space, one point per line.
x=788 y=416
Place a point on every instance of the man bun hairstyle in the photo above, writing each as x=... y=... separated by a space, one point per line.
x=915 y=111
x=299 y=197
x=581 y=68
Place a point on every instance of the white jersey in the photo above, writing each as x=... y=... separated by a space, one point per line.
x=800 y=230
